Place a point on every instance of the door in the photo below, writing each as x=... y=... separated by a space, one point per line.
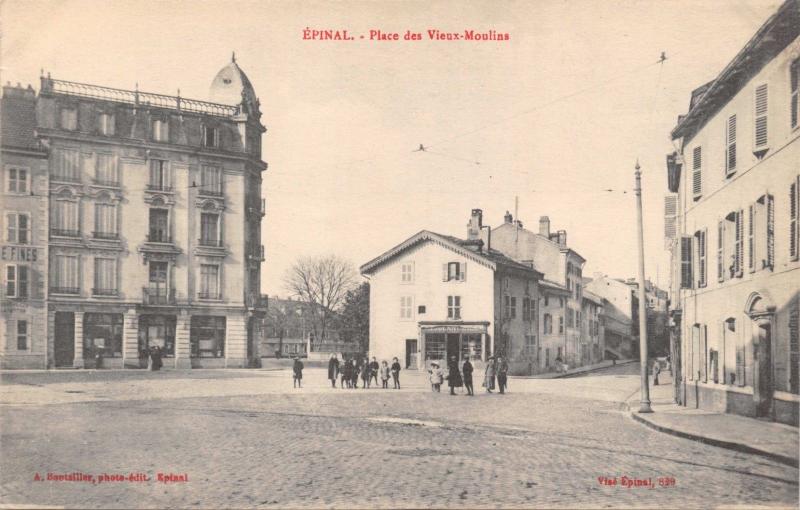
x=453 y=345
x=762 y=366
x=64 y=339
x=411 y=353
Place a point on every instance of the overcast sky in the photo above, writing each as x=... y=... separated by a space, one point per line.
x=555 y=115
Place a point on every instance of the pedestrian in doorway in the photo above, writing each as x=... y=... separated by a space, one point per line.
x=385 y=374
x=466 y=371
x=297 y=373
x=436 y=376
x=656 y=371
x=488 y=375
x=502 y=374
x=155 y=358
x=396 y=373
x=366 y=374
x=453 y=375
x=374 y=368
x=333 y=370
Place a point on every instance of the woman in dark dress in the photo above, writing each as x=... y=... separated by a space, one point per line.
x=453 y=375
x=466 y=370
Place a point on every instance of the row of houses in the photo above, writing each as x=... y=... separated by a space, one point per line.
x=503 y=291
x=131 y=220
x=733 y=231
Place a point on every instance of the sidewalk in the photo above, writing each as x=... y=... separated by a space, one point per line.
x=576 y=371
x=775 y=441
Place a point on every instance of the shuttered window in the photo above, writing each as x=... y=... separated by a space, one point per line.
x=670 y=218
x=697 y=178
x=770 y=232
x=739 y=247
x=794 y=349
x=730 y=145
x=794 y=221
x=794 y=79
x=751 y=238
x=721 y=251
x=700 y=239
x=686 y=262
x=761 y=138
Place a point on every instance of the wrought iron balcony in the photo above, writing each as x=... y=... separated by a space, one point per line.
x=159 y=237
x=214 y=243
x=65 y=232
x=65 y=178
x=159 y=187
x=105 y=292
x=65 y=290
x=106 y=235
x=103 y=182
x=158 y=296
x=206 y=192
x=209 y=295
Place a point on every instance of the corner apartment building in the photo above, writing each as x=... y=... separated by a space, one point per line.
x=435 y=296
x=562 y=267
x=23 y=226
x=155 y=214
x=735 y=182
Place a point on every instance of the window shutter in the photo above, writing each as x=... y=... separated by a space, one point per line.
x=739 y=243
x=701 y=251
x=444 y=272
x=730 y=143
x=670 y=219
x=739 y=362
x=770 y=260
x=697 y=179
x=463 y=271
x=751 y=244
x=794 y=205
x=720 y=250
x=686 y=262
x=761 y=117
x=704 y=351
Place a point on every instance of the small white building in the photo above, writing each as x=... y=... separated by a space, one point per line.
x=435 y=296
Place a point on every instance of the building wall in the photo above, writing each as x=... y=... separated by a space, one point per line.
x=553 y=343
x=515 y=338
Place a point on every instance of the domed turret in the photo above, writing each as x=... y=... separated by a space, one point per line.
x=231 y=86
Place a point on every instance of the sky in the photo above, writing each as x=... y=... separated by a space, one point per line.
x=555 y=115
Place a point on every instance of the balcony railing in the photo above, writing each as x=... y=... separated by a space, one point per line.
x=159 y=237
x=105 y=235
x=209 y=295
x=158 y=296
x=203 y=191
x=64 y=178
x=105 y=292
x=214 y=243
x=103 y=182
x=65 y=290
x=65 y=232
x=159 y=187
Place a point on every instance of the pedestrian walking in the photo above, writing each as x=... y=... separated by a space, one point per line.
x=374 y=368
x=488 y=376
x=297 y=373
x=466 y=370
x=385 y=371
x=396 y=373
x=453 y=375
x=436 y=377
x=502 y=374
x=366 y=373
x=155 y=358
x=656 y=371
x=333 y=370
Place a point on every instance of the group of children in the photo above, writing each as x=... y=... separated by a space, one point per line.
x=368 y=371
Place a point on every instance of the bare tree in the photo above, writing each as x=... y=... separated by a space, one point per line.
x=322 y=283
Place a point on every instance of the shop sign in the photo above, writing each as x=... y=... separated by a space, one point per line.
x=19 y=253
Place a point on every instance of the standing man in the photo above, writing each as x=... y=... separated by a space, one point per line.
x=297 y=373
x=373 y=369
x=396 y=373
x=466 y=370
x=502 y=374
x=333 y=370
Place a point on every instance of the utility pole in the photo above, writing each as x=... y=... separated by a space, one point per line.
x=644 y=404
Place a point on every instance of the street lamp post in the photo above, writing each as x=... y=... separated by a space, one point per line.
x=644 y=404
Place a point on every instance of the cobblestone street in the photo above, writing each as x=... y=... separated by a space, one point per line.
x=247 y=439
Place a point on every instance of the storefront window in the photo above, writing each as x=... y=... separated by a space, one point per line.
x=471 y=347
x=434 y=346
x=208 y=337
x=157 y=331
x=102 y=333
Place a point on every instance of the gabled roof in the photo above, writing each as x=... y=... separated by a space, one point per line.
x=492 y=259
x=552 y=287
x=590 y=296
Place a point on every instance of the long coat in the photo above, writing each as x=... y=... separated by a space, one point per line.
x=333 y=368
x=453 y=375
x=466 y=369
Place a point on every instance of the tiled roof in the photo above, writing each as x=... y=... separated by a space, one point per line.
x=18 y=121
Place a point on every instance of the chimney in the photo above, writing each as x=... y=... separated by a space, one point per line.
x=562 y=238
x=475 y=225
x=508 y=218
x=486 y=237
x=544 y=227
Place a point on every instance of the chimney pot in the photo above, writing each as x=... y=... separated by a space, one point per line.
x=508 y=218
x=544 y=227
x=475 y=224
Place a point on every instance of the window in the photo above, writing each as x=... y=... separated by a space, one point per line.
x=721 y=250
x=17 y=283
x=530 y=344
x=105 y=124
x=510 y=307
x=69 y=119
x=210 y=136
x=700 y=239
x=66 y=166
x=740 y=361
x=761 y=138
x=761 y=234
x=209 y=281
x=686 y=262
x=160 y=130
x=106 y=170
x=435 y=346
x=64 y=217
x=406 y=307
x=454 y=271
x=751 y=238
x=18 y=228
x=697 y=177
x=560 y=324
x=570 y=318
x=17 y=181
x=527 y=312
x=547 y=324
x=210 y=181
x=207 y=336
x=64 y=274
x=209 y=229
x=471 y=346
x=546 y=301
x=102 y=332
x=407 y=272
x=738 y=261
x=794 y=221
x=159 y=175
x=105 y=221
x=159 y=221
x=22 y=335
x=454 y=307
x=730 y=145
x=105 y=277
x=794 y=80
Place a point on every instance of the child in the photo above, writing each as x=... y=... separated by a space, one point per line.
x=437 y=376
x=297 y=370
x=385 y=374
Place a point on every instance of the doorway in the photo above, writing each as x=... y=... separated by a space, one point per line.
x=453 y=346
x=64 y=344
x=411 y=353
x=762 y=366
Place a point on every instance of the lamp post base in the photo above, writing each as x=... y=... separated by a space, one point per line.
x=644 y=407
